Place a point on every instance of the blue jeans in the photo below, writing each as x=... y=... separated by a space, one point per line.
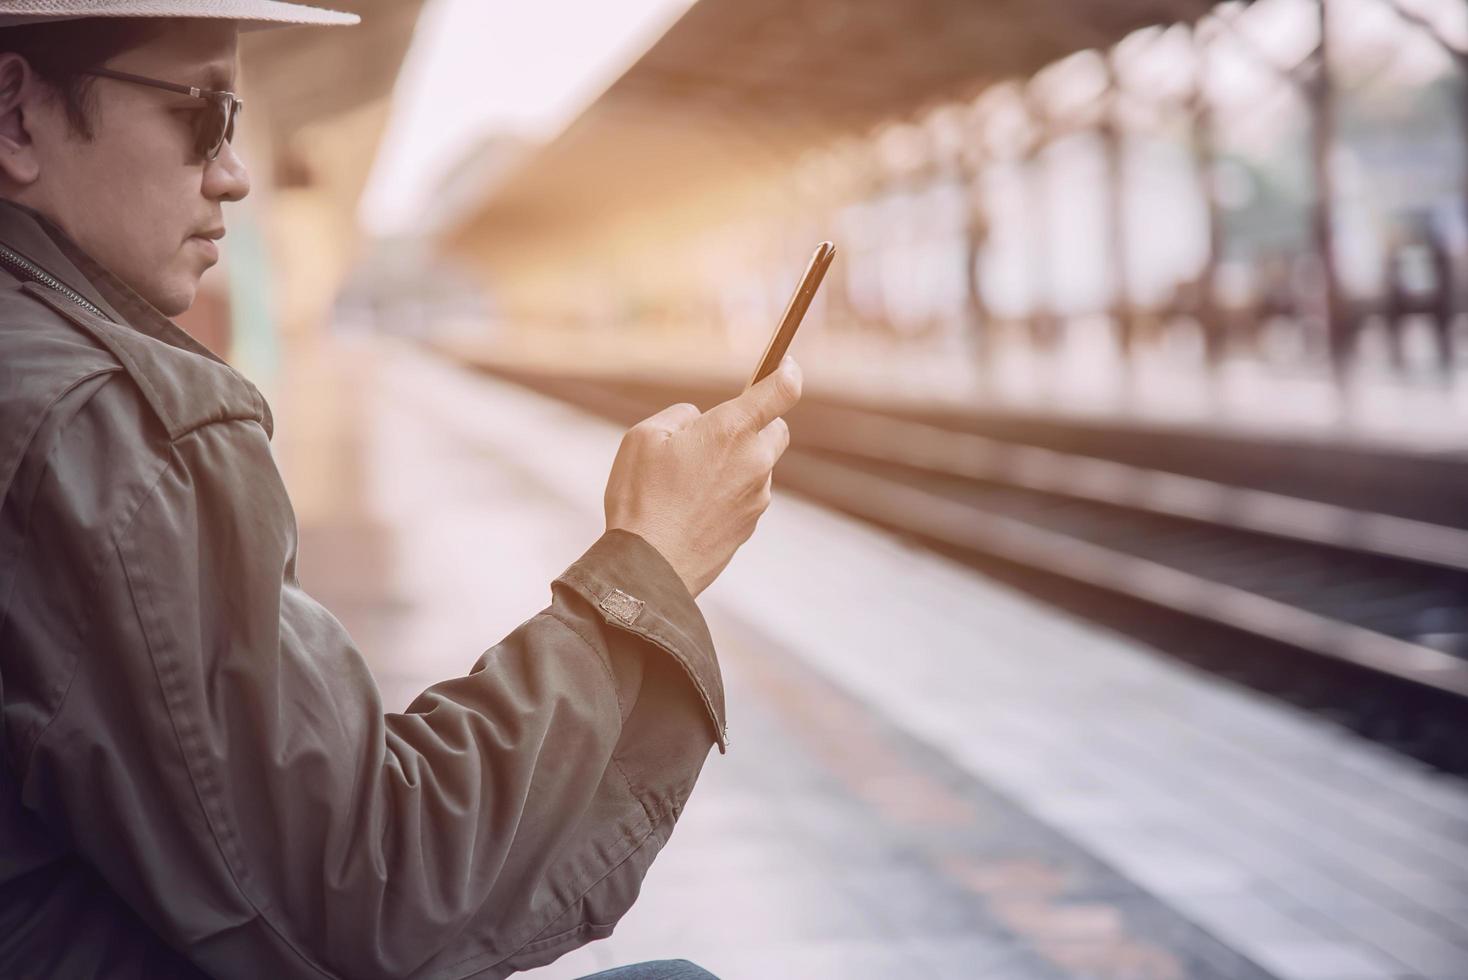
x=655 y=970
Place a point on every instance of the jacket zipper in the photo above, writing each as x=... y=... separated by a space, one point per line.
x=19 y=263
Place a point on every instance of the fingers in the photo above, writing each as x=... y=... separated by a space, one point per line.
x=774 y=439
x=762 y=403
x=672 y=418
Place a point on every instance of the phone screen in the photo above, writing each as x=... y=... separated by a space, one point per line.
x=795 y=311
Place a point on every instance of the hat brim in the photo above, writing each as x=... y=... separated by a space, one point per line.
x=251 y=14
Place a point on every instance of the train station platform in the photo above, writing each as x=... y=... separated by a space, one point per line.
x=930 y=774
x=1162 y=386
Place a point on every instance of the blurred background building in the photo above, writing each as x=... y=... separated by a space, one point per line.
x=1277 y=183
x=1112 y=620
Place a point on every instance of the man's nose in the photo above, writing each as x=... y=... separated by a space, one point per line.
x=225 y=177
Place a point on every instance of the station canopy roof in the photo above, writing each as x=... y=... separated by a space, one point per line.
x=305 y=75
x=736 y=86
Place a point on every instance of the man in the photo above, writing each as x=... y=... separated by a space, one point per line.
x=198 y=776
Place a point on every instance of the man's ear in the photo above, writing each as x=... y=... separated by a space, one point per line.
x=18 y=161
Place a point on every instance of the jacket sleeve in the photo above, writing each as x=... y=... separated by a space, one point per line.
x=220 y=753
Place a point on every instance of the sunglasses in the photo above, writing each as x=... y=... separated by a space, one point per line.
x=212 y=129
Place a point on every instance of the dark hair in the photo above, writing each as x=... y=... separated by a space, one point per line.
x=60 y=51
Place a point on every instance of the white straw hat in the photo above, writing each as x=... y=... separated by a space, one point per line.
x=253 y=14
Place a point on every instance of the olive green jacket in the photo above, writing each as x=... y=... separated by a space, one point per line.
x=198 y=775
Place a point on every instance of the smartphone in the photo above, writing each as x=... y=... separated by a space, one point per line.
x=795 y=311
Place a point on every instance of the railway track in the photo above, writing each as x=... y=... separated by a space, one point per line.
x=1238 y=579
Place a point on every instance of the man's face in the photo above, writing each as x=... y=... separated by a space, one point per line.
x=138 y=196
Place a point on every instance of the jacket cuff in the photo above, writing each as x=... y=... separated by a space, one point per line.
x=633 y=588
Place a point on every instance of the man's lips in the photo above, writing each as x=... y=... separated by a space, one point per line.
x=206 y=245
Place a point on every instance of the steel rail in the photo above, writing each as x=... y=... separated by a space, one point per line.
x=864 y=437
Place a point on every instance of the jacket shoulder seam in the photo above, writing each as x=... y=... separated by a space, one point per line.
x=49 y=299
x=26 y=430
x=194 y=428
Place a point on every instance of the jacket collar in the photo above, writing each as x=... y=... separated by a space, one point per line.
x=183 y=391
x=39 y=239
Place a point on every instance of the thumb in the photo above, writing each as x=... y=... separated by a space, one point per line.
x=762 y=403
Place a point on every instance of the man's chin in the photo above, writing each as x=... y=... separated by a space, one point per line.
x=174 y=300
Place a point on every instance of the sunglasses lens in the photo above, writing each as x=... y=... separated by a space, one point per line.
x=216 y=127
x=211 y=131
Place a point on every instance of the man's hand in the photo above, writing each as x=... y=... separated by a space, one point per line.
x=693 y=485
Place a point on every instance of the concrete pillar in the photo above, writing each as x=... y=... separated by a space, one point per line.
x=1338 y=327
x=1203 y=134
x=1122 y=306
